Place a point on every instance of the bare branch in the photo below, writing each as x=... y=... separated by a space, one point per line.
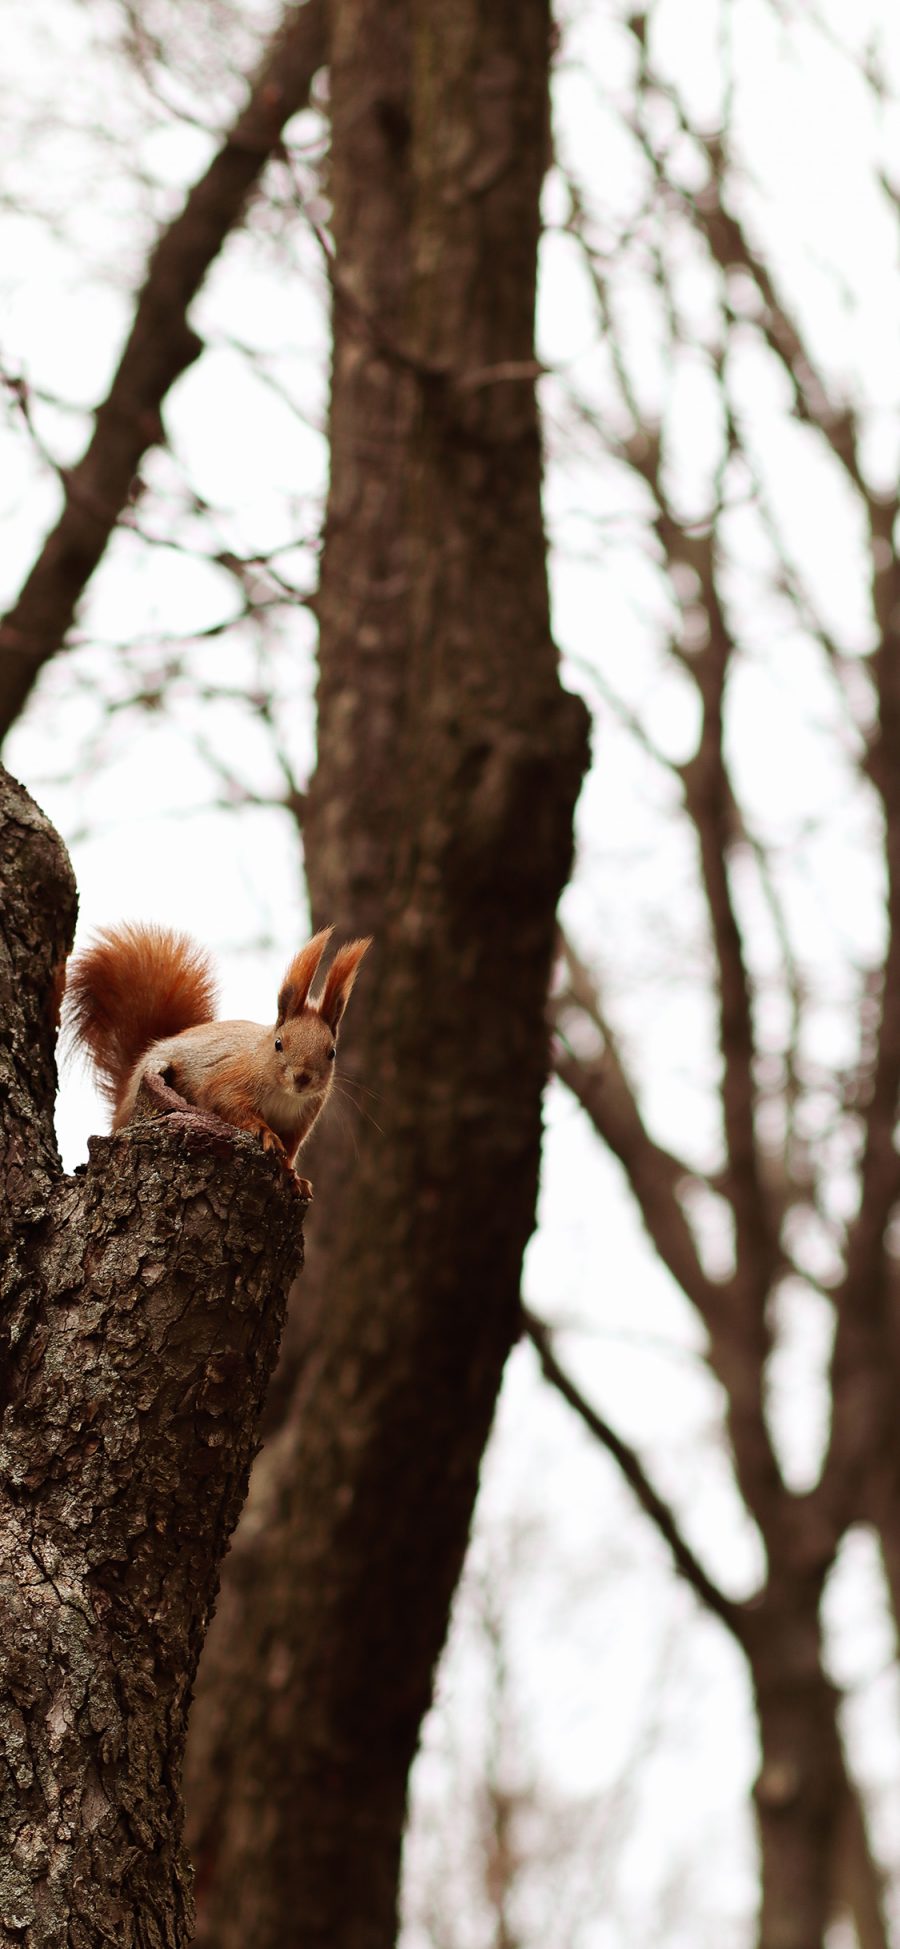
x=603 y=1088
x=160 y=346
x=713 y=1599
x=737 y=1326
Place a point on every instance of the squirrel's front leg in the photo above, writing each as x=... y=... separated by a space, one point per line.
x=251 y=1120
x=272 y=1141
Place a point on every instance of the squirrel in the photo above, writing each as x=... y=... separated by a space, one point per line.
x=141 y=1004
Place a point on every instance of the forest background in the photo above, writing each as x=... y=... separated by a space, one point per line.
x=720 y=409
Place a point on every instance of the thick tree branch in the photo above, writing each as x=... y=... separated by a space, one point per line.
x=161 y=344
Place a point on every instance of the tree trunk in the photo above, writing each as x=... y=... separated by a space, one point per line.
x=440 y=819
x=141 y=1304
x=801 y=1791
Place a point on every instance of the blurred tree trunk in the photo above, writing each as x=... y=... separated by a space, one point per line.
x=440 y=819
x=816 y=1855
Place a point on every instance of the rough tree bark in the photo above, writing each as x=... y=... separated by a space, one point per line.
x=440 y=819
x=140 y=1308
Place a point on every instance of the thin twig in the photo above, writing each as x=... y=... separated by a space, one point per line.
x=713 y=1599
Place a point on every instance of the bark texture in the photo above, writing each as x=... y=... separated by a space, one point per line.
x=160 y=347
x=141 y=1303
x=440 y=820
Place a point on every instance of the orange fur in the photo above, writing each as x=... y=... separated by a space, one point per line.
x=339 y=981
x=132 y=987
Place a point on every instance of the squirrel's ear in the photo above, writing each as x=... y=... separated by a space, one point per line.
x=339 y=981
x=300 y=976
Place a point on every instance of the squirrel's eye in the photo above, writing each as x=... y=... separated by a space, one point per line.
x=279 y=1044
x=332 y=1053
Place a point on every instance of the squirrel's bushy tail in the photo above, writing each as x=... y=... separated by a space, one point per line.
x=130 y=988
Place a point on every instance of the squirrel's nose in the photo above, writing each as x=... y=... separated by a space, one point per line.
x=301 y=1078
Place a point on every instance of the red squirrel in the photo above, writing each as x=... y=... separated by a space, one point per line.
x=141 y=1001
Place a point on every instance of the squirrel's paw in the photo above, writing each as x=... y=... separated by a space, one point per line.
x=273 y=1143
